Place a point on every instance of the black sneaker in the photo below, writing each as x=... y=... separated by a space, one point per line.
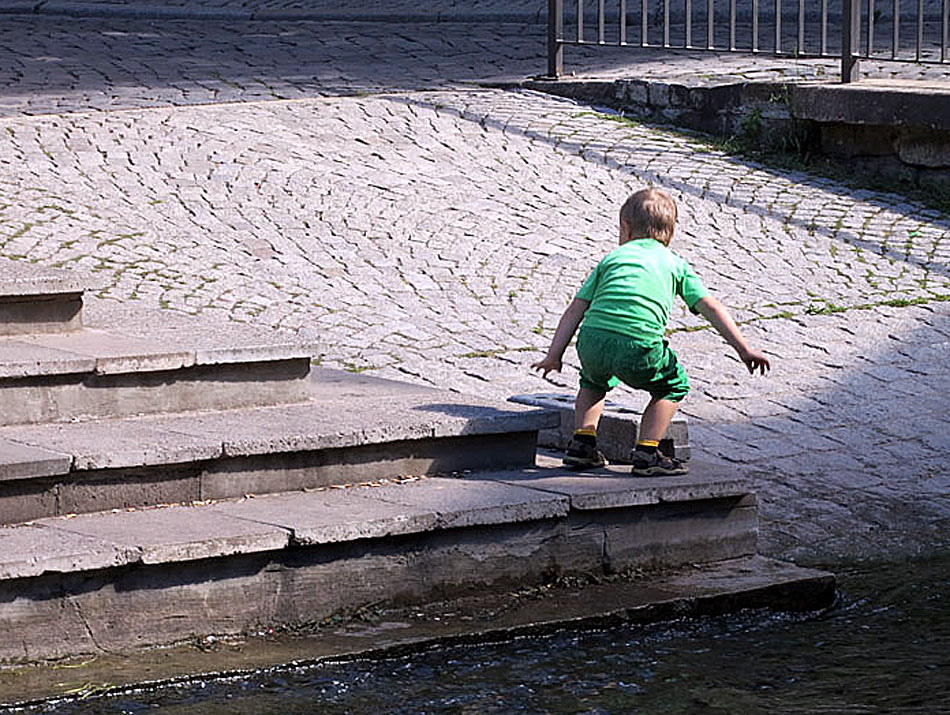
x=581 y=455
x=655 y=464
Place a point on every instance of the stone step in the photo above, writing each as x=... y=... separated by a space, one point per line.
x=92 y=373
x=616 y=434
x=34 y=299
x=352 y=429
x=295 y=558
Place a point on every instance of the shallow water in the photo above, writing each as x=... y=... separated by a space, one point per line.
x=885 y=648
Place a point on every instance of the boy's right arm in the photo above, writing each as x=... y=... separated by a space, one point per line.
x=717 y=314
x=566 y=328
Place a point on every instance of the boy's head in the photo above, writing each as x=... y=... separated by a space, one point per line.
x=649 y=213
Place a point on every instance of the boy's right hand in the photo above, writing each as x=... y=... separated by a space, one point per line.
x=755 y=361
x=547 y=365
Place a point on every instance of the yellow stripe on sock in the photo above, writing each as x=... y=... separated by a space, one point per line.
x=648 y=443
x=588 y=432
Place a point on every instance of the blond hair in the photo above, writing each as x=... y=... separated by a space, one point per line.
x=650 y=213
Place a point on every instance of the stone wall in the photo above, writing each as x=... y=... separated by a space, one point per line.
x=896 y=130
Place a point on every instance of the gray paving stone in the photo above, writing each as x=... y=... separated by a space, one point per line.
x=173 y=534
x=118 y=354
x=35 y=549
x=338 y=515
x=24 y=358
x=20 y=461
x=110 y=444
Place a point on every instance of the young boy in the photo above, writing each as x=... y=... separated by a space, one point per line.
x=625 y=305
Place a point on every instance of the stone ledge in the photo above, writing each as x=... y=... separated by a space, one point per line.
x=376 y=512
x=891 y=103
x=321 y=424
x=329 y=516
x=86 y=542
x=110 y=353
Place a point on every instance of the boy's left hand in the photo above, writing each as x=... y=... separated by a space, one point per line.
x=547 y=365
x=755 y=361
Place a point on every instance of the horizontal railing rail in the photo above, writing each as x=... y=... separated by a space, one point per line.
x=850 y=30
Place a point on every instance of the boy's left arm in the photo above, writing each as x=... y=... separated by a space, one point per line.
x=717 y=314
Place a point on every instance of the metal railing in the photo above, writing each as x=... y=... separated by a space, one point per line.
x=909 y=31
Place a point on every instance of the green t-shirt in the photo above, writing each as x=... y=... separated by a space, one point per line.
x=631 y=290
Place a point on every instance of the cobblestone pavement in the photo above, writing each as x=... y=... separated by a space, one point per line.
x=436 y=236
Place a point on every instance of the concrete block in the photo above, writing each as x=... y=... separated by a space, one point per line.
x=112 y=444
x=338 y=515
x=462 y=503
x=637 y=92
x=116 y=354
x=214 y=342
x=617 y=433
x=19 y=357
x=224 y=386
x=329 y=516
x=658 y=95
x=174 y=534
x=324 y=424
x=679 y=95
x=20 y=461
x=927 y=149
x=894 y=103
x=33 y=549
x=667 y=536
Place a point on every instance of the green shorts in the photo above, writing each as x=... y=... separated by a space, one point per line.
x=608 y=358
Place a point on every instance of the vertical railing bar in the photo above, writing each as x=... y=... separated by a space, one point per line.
x=850 y=31
x=555 y=35
x=622 y=38
x=688 y=29
x=946 y=30
x=580 y=20
x=666 y=23
x=601 y=36
x=778 y=26
x=870 y=48
x=824 y=28
x=920 y=28
x=644 y=23
x=755 y=25
x=710 y=28
x=801 y=27
x=732 y=25
x=896 y=29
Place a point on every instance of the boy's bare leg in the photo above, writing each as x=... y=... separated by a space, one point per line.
x=656 y=419
x=588 y=407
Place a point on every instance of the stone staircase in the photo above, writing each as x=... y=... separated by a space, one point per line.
x=161 y=478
